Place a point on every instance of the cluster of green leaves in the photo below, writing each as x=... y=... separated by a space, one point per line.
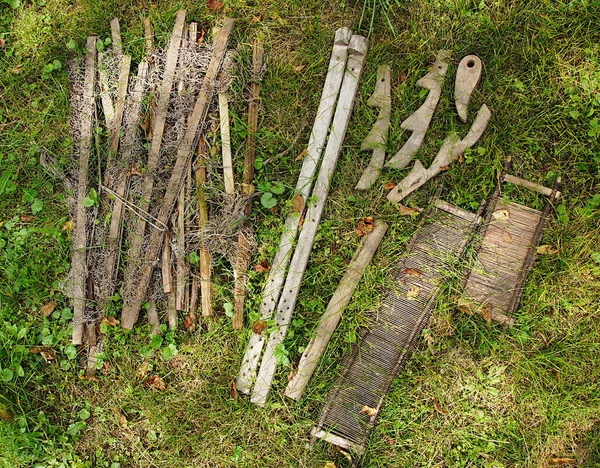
x=270 y=192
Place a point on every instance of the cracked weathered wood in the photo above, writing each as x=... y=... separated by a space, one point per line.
x=332 y=315
x=115 y=129
x=467 y=77
x=357 y=49
x=376 y=140
x=183 y=159
x=316 y=143
x=107 y=105
x=115 y=30
x=226 y=144
x=419 y=121
x=451 y=148
x=79 y=272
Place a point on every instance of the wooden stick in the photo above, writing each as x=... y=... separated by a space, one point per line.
x=115 y=30
x=115 y=131
x=316 y=143
x=105 y=99
x=357 y=50
x=330 y=319
x=184 y=153
x=131 y=129
x=205 y=258
x=131 y=290
x=226 y=144
x=180 y=301
x=530 y=185
x=376 y=140
x=153 y=319
x=148 y=35
x=167 y=279
x=78 y=263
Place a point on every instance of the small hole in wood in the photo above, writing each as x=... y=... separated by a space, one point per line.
x=471 y=63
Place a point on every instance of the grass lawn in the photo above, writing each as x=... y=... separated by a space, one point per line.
x=470 y=396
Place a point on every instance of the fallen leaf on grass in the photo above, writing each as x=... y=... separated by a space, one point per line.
x=486 y=313
x=68 y=226
x=369 y=411
x=259 y=326
x=297 y=203
x=300 y=157
x=329 y=465
x=233 y=390
x=402 y=77
x=6 y=415
x=389 y=185
x=561 y=461
x=438 y=407
x=299 y=68
x=256 y=19
x=263 y=266
x=547 y=249
x=27 y=219
x=412 y=272
x=291 y=375
x=109 y=321
x=444 y=168
x=501 y=215
x=365 y=226
x=188 y=322
x=413 y=292
x=46 y=352
x=214 y=5
x=48 y=308
x=135 y=170
x=2 y=42
x=156 y=382
x=408 y=211
x=142 y=371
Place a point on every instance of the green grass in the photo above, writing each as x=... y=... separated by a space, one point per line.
x=470 y=396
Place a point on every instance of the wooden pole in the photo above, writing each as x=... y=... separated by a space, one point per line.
x=330 y=319
x=205 y=258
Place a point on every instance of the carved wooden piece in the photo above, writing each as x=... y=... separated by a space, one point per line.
x=357 y=49
x=452 y=148
x=419 y=121
x=332 y=315
x=376 y=140
x=316 y=143
x=467 y=77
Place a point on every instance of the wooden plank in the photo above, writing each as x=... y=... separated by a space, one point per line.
x=131 y=292
x=530 y=185
x=115 y=30
x=332 y=315
x=79 y=272
x=357 y=50
x=148 y=35
x=167 y=279
x=184 y=154
x=202 y=208
x=180 y=301
x=316 y=144
x=153 y=319
x=107 y=105
x=226 y=144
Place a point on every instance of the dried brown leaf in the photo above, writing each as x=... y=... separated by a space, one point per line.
x=214 y=5
x=438 y=407
x=156 y=382
x=547 y=249
x=329 y=464
x=109 y=321
x=259 y=326
x=444 y=168
x=300 y=157
x=233 y=390
x=561 y=461
x=142 y=371
x=408 y=211
x=297 y=203
x=389 y=185
x=46 y=352
x=247 y=189
x=365 y=226
x=486 y=313
x=369 y=411
x=135 y=170
x=412 y=272
x=413 y=292
x=256 y=19
x=122 y=421
x=68 y=226
x=402 y=77
x=48 y=308
x=291 y=375
x=27 y=218
x=2 y=42
x=501 y=215
x=5 y=415
x=299 y=68
x=188 y=322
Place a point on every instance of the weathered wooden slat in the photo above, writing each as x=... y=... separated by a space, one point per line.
x=184 y=154
x=357 y=49
x=316 y=143
x=115 y=30
x=226 y=144
x=79 y=272
x=107 y=105
x=332 y=315
x=202 y=208
x=115 y=130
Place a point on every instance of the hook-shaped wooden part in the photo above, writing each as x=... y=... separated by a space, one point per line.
x=467 y=77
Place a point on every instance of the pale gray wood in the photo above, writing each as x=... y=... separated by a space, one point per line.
x=332 y=315
x=316 y=143
x=115 y=30
x=467 y=77
x=419 y=121
x=107 y=105
x=357 y=49
x=79 y=271
x=226 y=144
x=530 y=185
x=451 y=148
x=376 y=140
